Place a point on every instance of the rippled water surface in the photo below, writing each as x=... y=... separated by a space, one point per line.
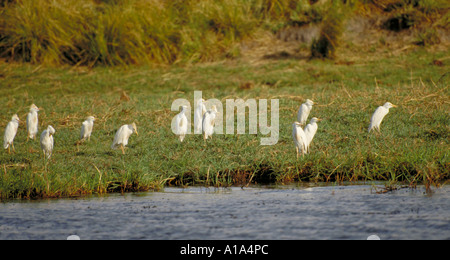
x=326 y=212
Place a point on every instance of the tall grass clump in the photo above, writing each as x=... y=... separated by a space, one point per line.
x=210 y=29
x=332 y=28
x=134 y=32
x=122 y=32
x=274 y=15
x=43 y=31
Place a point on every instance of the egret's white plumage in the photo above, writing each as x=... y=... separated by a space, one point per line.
x=303 y=112
x=86 y=128
x=10 y=133
x=122 y=135
x=182 y=123
x=32 y=122
x=378 y=116
x=47 y=141
x=199 y=112
x=310 y=130
x=208 y=122
x=300 y=140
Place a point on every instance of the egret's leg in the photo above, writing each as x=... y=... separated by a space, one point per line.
x=122 y=148
x=44 y=158
x=14 y=149
x=296 y=150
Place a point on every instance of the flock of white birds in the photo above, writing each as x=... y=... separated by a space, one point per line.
x=303 y=137
x=46 y=139
x=203 y=123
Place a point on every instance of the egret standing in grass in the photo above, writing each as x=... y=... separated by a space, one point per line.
x=86 y=129
x=300 y=140
x=208 y=122
x=200 y=111
x=32 y=122
x=378 y=116
x=303 y=112
x=122 y=135
x=47 y=141
x=310 y=130
x=10 y=133
x=182 y=124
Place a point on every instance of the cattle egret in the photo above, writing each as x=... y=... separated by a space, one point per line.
x=200 y=111
x=378 y=116
x=10 y=133
x=47 y=141
x=86 y=128
x=32 y=122
x=122 y=135
x=299 y=138
x=303 y=112
x=310 y=130
x=182 y=123
x=208 y=122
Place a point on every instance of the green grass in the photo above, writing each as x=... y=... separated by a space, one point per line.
x=413 y=147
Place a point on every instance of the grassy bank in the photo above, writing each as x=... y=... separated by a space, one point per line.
x=413 y=147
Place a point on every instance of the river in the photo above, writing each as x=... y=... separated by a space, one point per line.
x=253 y=213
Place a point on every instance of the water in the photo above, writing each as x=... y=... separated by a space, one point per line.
x=324 y=212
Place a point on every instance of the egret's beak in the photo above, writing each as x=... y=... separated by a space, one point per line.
x=137 y=133
x=319 y=119
x=394 y=105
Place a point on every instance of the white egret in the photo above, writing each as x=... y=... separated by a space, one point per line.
x=47 y=141
x=10 y=133
x=182 y=123
x=303 y=112
x=122 y=135
x=310 y=130
x=200 y=110
x=208 y=122
x=32 y=122
x=378 y=116
x=86 y=129
x=300 y=140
